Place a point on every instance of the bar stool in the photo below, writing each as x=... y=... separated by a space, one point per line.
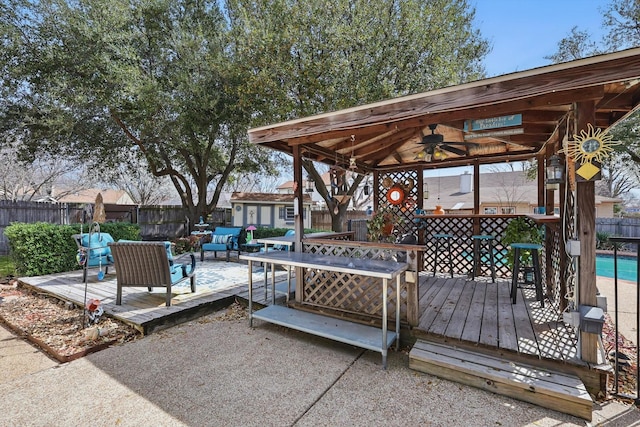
x=443 y=237
x=478 y=241
x=535 y=255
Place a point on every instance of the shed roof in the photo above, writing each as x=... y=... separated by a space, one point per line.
x=386 y=135
x=267 y=197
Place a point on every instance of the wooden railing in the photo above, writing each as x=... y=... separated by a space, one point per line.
x=360 y=297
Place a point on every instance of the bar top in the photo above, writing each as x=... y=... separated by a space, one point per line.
x=367 y=267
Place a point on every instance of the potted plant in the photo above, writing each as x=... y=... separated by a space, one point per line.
x=380 y=226
x=519 y=230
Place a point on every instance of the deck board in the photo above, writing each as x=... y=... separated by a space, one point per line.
x=459 y=315
x=473 y=322
x=506 y=323
x=144 y=310
x=445 y=313
x=489 y=328
x=484 y=315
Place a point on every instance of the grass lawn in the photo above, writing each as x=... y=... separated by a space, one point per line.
x=6 y=266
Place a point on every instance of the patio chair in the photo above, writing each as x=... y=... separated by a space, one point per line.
x=150 y=265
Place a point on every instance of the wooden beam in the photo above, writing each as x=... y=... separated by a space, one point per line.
x=585 y=194
x=431 y=109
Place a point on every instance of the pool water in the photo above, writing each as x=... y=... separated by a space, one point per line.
x=627 y=267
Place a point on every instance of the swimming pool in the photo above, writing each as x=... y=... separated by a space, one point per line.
x=627 y=267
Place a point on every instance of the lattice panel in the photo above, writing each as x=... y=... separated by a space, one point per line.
x=569 y=228
x=555 y=291
x=408 y=181
x=496 y=226
x=351 y=293
x=461 y=244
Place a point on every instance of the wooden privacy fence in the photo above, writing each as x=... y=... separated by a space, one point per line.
x=321 y=220
x=622 y=227
x=156 y=222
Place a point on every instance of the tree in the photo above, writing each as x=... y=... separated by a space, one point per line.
x=308 y=57
x=39 y=178
x=144 y=188
x=576 y=45
x=96 y=79
x=622 y=19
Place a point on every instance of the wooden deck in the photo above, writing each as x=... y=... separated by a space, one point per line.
x=479 y=314
x=145 y=310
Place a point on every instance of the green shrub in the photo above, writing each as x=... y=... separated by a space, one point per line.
x=42 y=248
x=7 y=268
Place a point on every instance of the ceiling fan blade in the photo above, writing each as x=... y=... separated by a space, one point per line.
x=454 y=150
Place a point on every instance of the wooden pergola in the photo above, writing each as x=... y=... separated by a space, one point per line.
x=514 y=117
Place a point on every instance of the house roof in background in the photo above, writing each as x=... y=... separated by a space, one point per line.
x=267 y=198
x=498 y=188
x=109 y=196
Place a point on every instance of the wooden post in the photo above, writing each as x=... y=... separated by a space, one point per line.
x=585 y=195
x=298 y=220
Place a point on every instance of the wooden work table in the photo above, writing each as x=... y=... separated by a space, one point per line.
x=363 y=336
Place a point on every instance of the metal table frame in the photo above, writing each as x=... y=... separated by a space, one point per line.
x=386 y=270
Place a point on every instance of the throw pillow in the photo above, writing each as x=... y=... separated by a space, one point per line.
x=220 y=238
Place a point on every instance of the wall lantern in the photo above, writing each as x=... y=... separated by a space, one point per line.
x=554 y=173
x=309 y=185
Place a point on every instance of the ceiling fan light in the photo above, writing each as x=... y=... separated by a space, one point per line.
x=439 y=154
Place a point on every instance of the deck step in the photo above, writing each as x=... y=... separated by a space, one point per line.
x=356 y=334
x=553 y=390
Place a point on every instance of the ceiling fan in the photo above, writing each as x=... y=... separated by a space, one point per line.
x=435 y=141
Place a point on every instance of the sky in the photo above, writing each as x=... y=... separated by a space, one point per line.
x=523 y=32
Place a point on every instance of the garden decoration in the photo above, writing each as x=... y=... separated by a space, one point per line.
x=81 y=257
x=100 y=272
x=250 y=230
x=94 y=311
x=587 y=152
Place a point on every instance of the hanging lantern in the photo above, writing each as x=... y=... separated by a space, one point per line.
x=309 y=184
x=554 y=173
x=425 y=191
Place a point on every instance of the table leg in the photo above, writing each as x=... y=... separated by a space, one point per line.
x=273 y=283
x=250 y=292
x=398 y=312
x=266 y=248
x=384 y=323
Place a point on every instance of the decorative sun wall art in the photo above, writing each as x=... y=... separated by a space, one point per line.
x=589 y=149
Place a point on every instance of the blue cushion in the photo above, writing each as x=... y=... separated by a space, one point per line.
x=167 y=246
x=98 y=241
x=176 y=272
x=220 y=238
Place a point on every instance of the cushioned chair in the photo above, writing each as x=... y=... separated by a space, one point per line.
x=150 y=265
x=96 y=251
x=225 y=239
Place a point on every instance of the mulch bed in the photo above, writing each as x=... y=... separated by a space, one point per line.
x=57 y=327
